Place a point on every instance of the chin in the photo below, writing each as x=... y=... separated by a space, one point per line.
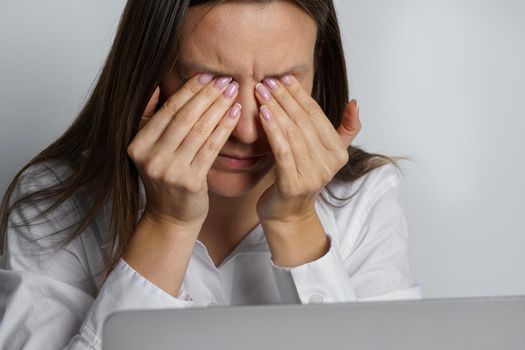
x=239 y=183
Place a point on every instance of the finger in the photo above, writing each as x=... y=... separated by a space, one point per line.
x=350 y=123
x=152 y=103
x=324 y=127
x=200 y=132
x=289 y=105
x=282 y=152
x=188 y=114
x=153 y=128
x=302 y=149
x=208 y=153
x=279 y=95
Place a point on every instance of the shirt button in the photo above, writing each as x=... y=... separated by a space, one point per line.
x=315 y=299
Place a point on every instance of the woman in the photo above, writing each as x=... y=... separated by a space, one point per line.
x=153 y=205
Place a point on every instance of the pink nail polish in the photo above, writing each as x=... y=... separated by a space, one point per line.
x=263 y=91
x=222 y=82
x=272 y=83
x=266 y=113
x=287 y=79
x=205 y=78
x=231 y=90
x=234 y=111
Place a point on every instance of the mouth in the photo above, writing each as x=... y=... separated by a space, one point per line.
x=237 y=163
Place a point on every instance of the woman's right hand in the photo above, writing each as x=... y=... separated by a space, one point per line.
x=176 y=146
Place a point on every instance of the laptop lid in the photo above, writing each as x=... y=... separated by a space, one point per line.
x=456 y=323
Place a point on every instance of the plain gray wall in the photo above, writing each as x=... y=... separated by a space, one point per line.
x=440 y=81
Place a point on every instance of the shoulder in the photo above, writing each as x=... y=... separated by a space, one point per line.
x=40 y=176
x=32 y=216
x=62 y=216
x=351 y=214
x=368 y=188
x=35 y=231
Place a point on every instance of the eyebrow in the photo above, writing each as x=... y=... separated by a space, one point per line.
x=189 y=66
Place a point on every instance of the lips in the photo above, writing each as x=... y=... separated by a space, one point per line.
x=238 y=163
x=240 y=157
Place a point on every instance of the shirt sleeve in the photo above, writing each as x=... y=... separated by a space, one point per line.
x=49 y=298
x=376 y=267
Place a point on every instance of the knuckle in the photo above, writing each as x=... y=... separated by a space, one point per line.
x=314 y=110
x=282 y=153
x=184 y=117
x=294 y=134
x=223 y=127
x=212 y=145
x=175 y=175
x=170 y=106
x=190 y=185
x=153 y=169
x=165 y=109
x=208 y=94
x=192 y=88
x=132 y=151
x=294 y=90
x=300 y=119
x=167 y=178
x=195 y=186
x=200 y=130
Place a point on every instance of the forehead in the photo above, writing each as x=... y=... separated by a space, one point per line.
x=248 y=39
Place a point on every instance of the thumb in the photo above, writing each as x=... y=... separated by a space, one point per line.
x=152 y=103
x=150 y=108
x=350 y=123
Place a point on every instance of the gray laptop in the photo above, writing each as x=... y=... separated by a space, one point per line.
x=457 y=323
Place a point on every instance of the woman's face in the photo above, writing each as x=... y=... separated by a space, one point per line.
x=249 y=42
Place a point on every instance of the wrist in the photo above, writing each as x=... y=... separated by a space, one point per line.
x=169 y=228
x=291 y=222
x=294 y=243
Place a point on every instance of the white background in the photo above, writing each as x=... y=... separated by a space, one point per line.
x=440 y=81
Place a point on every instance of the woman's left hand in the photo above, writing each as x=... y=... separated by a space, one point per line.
x=307 y=149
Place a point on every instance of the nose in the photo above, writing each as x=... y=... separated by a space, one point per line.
x=249 y=128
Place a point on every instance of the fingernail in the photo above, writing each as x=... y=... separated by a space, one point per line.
x=263 y=91
x=287 y=79
x=272 y=83
x=357 y=102
x=231 y=90
x=205 y=78
x=266 y=113
x=222 y=82
x=234 y=111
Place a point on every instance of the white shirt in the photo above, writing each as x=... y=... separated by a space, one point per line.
x=50 y=301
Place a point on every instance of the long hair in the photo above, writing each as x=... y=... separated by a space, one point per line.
x=145 y=49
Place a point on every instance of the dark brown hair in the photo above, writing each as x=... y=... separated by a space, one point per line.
x=145 y=48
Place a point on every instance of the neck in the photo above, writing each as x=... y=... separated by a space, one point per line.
x=231 y=218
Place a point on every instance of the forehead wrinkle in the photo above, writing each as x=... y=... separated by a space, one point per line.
x=210 y=45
